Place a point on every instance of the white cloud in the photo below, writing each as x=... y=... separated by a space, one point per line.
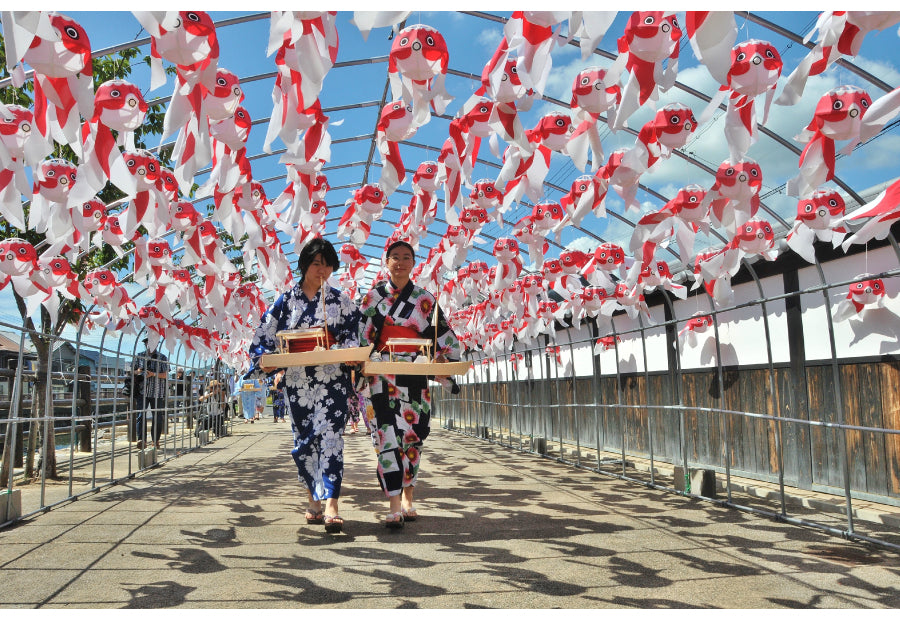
x=489 y=38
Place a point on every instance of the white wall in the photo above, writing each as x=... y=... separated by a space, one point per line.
x=742 y=332
x=871 y=333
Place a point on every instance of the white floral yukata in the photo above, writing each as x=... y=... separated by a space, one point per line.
x=316 y=396
x=399 y=409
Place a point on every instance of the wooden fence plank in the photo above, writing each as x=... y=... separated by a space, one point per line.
x=890 y=406
x=851 y=384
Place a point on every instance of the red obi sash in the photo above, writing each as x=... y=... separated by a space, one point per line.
x=303 y=345
x=397 y=331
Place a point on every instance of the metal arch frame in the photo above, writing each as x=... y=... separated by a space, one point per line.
x=499 y=19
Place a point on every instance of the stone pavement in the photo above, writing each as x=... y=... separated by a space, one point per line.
x=223 y=527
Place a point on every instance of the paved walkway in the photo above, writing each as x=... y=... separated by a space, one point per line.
x=223 y=527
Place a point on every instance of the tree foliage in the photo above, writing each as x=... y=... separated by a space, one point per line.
x=112 y=66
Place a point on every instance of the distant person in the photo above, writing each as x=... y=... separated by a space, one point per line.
x=153 y=365
x=214 y=399
x=251 y=393
x=277 y=392
x=134 y=388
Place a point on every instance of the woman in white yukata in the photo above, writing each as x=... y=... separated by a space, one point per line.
x=316 y=396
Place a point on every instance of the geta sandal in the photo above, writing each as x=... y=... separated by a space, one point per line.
x=394 y=520
x=333 y=523
x=314 y=517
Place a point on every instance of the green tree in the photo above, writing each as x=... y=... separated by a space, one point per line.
x=112 y=66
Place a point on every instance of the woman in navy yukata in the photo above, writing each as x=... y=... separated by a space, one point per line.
x=316 y=396
x=400 y=406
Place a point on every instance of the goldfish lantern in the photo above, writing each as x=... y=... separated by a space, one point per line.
x=669 y=129
x=394 y=124
x=18 y=258
x=697 y=324
x=53 y=180
x=19 y=265
x=650 y=38
x=882 y=212
x=222 y=101
x=353 y=258
x=88 y=219
x=467 y=130
x=63 y=80
x=417 y=67
x=606 y=343
x=818 y=217
x=486 y=195
x=755 y=68
x=585 y=196
x=862 y=295
x=187 y=39
x=525 y=233
x=734 y=197
x=530 y=34
x=591 y=97
x=113 y=235
x=307 y=44
x=16 y=136
x=523 y=172
x=509 y=262
x=838 y=116
x=840 y=33
x=622 y=177
x=119 y=106
x=363 y=208
x=606 y=259
x=149 y=207
x=546 y=216
x=658 y=274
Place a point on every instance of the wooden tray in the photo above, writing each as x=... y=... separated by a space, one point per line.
x=316 y=358
x=437 y=369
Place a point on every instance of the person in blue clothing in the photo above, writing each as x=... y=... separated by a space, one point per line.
x=250 y=392
x=317 y=396
x=278 y=404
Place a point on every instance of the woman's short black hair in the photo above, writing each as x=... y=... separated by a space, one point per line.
x=397 y=244
x=316 y=247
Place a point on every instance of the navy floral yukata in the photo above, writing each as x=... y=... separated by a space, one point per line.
x=316 y=396
x=399 y=408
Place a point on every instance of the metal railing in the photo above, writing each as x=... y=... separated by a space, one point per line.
x=601 y=436
x=59 y=439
